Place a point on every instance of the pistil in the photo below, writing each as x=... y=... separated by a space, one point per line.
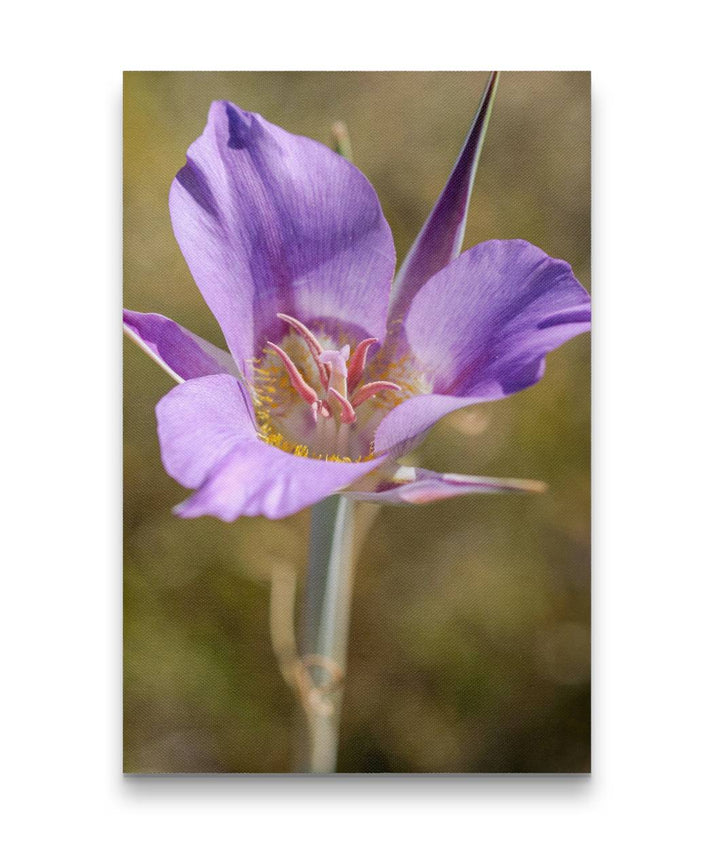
x=337 y=360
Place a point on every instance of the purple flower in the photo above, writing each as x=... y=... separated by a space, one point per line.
x=333 y=370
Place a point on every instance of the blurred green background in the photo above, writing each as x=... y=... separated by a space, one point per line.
x=470 y=639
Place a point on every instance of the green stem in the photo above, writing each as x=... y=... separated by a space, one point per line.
x=325 y=628
x=341 y=140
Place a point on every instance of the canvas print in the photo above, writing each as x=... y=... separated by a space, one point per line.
x=356 y=497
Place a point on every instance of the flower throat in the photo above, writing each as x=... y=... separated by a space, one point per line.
x=333 y=415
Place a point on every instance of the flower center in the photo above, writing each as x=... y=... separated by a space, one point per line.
x=310 y=398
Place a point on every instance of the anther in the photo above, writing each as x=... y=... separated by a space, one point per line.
x=301 y=386
x=371 y=389
x=357 y=363
x=347 y=412
x=312 y=343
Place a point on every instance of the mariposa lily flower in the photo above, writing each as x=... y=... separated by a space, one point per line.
x=333 y=371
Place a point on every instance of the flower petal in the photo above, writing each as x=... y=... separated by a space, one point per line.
x=481 y=329
x=258 y=479
x=405 y=425
x=482 y=326
x=440 y=239
x=416 y=486
x=181 y=353
x=271 y=222
x=199 y=422
x=208 y=441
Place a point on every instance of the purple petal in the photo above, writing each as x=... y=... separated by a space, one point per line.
x=481 y=329
x=440 y=239
x=199 y=422
x=415 y=486
x=405 y=425
x=208 y=441
x=270 y=222
x=483 y=325
x=258 y=479
x=181 y=353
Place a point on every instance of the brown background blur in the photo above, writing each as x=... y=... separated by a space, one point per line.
x=469 y=648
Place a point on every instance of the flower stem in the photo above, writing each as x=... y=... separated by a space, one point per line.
x=325 y=627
